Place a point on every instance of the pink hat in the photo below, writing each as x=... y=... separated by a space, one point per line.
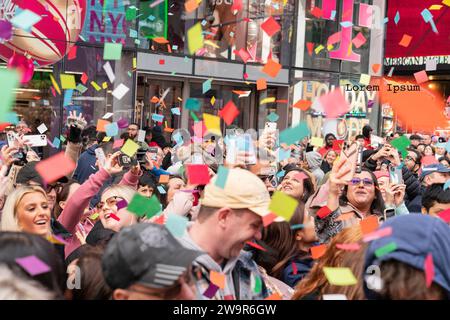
x=380 y=174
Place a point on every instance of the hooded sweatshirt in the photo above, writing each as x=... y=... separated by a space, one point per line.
x=86 y=165
x=314 y=160
x=240 y=274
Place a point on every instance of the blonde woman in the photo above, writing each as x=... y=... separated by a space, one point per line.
x=26 y=209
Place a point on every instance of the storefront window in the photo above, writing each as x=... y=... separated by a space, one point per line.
x=228 y=33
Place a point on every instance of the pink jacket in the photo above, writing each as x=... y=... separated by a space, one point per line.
x=71 y=215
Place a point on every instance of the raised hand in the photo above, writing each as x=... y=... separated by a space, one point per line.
x=112 y=164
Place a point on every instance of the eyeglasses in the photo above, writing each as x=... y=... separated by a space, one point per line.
x=110 y=202
x=410 y=158
x=365 y=181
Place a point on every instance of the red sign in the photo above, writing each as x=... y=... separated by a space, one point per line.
x=424 y=42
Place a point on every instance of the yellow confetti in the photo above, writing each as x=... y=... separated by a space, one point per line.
x=55 y=84
x=435 y=7
x=106 y=139
x=212 y=44
x=105 y=85
x=134 y=63
x=318 y=49
x=268 y=100
x=95 y=85
x=212 y=123
x=329 y=47
x=213 y=100
x=446 y=2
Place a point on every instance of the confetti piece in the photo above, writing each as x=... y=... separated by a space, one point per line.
x=405 y=41
x=191 y=5
x=42 y=128
x=130 y=148
x=392 y=246
x=222 y=176
x=275 y=296
x=229 y=112
x=294 y=134
x=72 y=55
x=268 y=219
x=68 y=81
x=359 y=40
x=120 y=91
x=303 y=105
x=109 y=71
x=270 y=26
x=118 y=143
x=383 y=232
x=192 y=104
x=429 y=270
x=197 y=174
x=334 y=104
x=364 y=79
x=176 y=224
x=55 y=167
x=273 y=117
x=397 y=17
x=143 y=206
x=283 y=205
x=317 y=12
x=323 y=212
x=319 y=48
x=160 y=40
x=33 y=265
x=369 y=224
x=101 y=125
x=195 y=38
x=317 y=142
x=84 y=78
x=217 y=278
x=261 y=84
x=421 y=76
x=348 y=246
x=164 y=178
x=340 y=276
x=267 y=100
x=95 y=85
x=112 y=51
x=445 y=215
x=255 y=245
x=310 y=47
x=112 y=215
x=318 y=251
x=258 y=284
x=211 y=291
x=271 y=68
x=212 y=123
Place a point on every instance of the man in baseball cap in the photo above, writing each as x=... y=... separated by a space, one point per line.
x=434 y=173
x=229 y=217
x=145 y=262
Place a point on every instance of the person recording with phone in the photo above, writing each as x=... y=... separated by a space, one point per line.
x=393 y=194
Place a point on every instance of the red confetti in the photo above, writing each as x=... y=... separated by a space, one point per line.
x=269 y=218
x=112 y=215
x=162 y=61
x=429 y=270
x=323 y=212
x=310 y=47
x=317 y=12
x=445 y=215
x=255 y=245
x=270 y=26
x=294 y=268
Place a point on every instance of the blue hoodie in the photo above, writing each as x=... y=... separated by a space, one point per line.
x=86 y=165
x=415 y=236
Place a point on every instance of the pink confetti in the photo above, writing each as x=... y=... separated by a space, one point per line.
x=348 y=246
x=445 y=215
x=33 y=265
x=384 y=232
x=429 y=270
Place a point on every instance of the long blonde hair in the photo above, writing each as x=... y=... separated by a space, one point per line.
x=9 y=220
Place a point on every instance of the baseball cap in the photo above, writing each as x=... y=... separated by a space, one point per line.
x=147 y=254
x=243 y=190
x=435 y=167
x=415 y=236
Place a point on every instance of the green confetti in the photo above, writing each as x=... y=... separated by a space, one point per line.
x=258 y=285
x=294 y=134
x=143 y=206
x=385 y=249
x=222 y=176
x=194 y=116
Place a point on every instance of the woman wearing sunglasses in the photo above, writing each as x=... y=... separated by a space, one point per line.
x=79 y=201
x=348 y=201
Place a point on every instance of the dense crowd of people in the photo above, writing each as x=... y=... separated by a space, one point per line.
x=370 y=220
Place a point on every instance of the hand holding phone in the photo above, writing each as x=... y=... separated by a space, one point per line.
x=350 y=153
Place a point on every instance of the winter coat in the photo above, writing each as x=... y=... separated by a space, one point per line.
x=86 y=165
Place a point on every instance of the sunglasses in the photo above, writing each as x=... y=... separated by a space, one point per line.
x=365 y=181
x=110 y=202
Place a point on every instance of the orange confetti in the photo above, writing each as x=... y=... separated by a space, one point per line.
x=406 y=40
x=261 y=84
x=101 y=125
x=154 y=99
x=369 y=224
x=217 y=278
x=318 y=251
x=302 y=105
x=376 y=67
x=274 y=296
x=271 y=68
x=160 y=40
